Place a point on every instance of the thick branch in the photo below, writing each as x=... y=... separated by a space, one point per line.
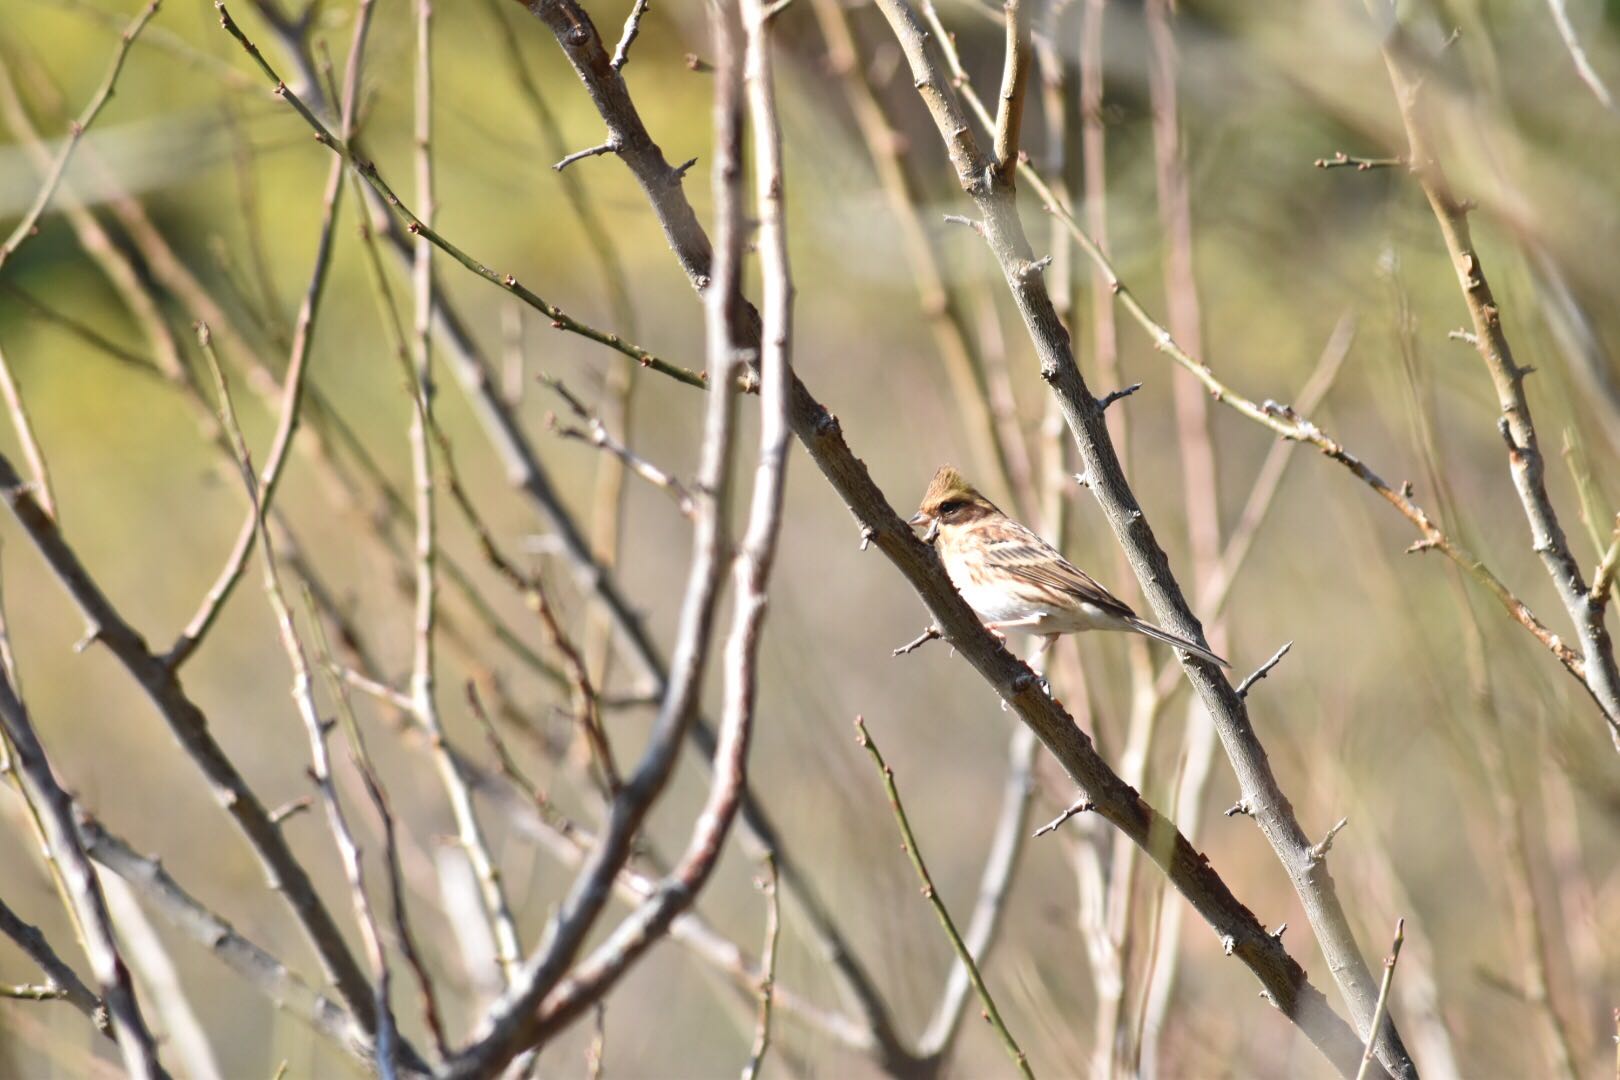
x=1004 y=234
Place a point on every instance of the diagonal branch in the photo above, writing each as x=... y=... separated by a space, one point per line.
x=29 y=225
x=56 y=814
x=822 y=437
x=1004 y=233
x=190 y=728
x=1526 y=464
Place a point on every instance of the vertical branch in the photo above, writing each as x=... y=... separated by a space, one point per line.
x=767 y=978
x=1526 y=464
x=516 y=1021
x=1094 y=166
x=1382 y=1008
x=315 y=728
x=424 y=700
x=26 y=438
x=287 y=424
x=1014 y=86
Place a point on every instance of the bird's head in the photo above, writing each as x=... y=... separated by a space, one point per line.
x=950 y=501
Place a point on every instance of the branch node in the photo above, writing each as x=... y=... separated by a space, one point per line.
x=1319 y=851
x=611 y=146
x=1115 y=395
x=1263 y=670
x=930 y=634
x=1034 y=268
x=958 y=219
x=1237 y=808
x=1074 y=809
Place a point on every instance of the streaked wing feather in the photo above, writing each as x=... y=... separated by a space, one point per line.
x=1027 y=557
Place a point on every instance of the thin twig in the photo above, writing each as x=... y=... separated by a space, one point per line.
x=315 y=728
x=767 y=980
x=1577 y=54
x=596 y=434
x=1341 y=160
x=580 y=155
x=513 y=1025
x=1014 y=85
x=1601 y=674
x=29 y=225
x=1383 y=998
x=360 y=758
x=57 y=813
x=909 y=842
x=26 y=438
x=64 y=981
x=1263 y=670
x=932 y=633
x=414 y=224
x=632 y=27
x=292 y=397
x=1079 y=806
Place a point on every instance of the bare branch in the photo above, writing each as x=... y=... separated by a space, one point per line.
x=1005 y=237
x=65 y=983
x=1079 y=806
x=995 y=888
x=315 y=728
x=608 y=147
x=1263 y=670
x=292 y=398
x=932 y=633
x=1014 y=84
x=1601 y=675
x=632 y=27
x=767 y=981
x=820 y=433
x=909 y=843
x=26 y=438
x=1577 y=54
x=1383 y=997
x=283 y=987
x=511 y=1027
x=190 y=727
x=596 y=434
x=29 y=225
x=56 y=812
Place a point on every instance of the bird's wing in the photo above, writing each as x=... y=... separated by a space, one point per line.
x=1026 y=557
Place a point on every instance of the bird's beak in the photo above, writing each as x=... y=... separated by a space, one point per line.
x=921 y=518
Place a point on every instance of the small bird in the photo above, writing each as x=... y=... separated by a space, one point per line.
x=1014 y=580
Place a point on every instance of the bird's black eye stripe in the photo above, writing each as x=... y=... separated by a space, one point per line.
x=951 y=507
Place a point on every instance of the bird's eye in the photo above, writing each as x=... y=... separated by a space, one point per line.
x=948 y=508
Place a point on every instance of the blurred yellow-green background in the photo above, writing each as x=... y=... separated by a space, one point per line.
x=1374 y=715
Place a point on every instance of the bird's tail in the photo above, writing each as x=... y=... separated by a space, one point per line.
x=1143 y=627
